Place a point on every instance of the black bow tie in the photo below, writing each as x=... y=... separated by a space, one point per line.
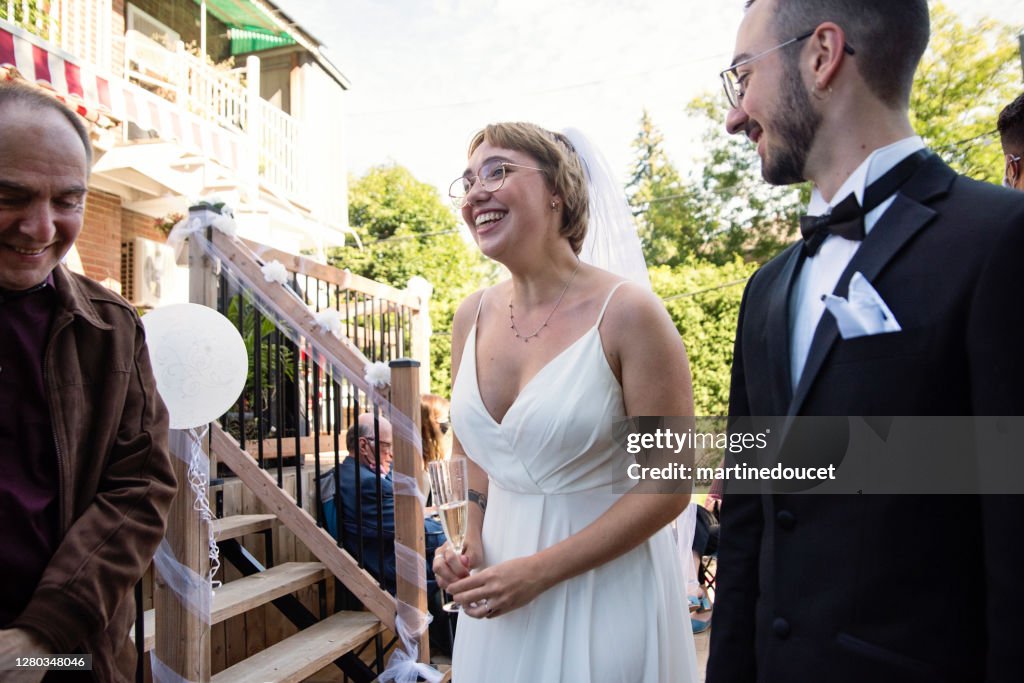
x=847 y=218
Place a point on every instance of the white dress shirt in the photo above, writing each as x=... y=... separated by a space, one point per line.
x=820 y=273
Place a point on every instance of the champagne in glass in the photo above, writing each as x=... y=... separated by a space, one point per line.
x=453 y=518
x=450 y=487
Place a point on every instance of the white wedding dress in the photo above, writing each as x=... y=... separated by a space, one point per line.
x=552 y=466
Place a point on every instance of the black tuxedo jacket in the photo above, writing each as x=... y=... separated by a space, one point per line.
x=885 y=587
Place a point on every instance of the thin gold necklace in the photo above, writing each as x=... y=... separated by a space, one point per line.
x=512 y=318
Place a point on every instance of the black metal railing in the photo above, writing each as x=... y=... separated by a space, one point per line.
x=293 y=409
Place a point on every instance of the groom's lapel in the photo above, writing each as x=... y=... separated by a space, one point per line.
x=904 y=218
x=777 y=330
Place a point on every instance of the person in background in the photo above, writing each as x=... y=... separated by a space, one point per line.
x=357 y=480
x=86 y=477
x=1011 y=135
x=435 y=429
x=705 y=543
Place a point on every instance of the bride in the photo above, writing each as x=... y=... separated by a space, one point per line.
x=571 y=580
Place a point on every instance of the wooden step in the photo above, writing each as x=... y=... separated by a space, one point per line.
x=305 y=653
x=236 y=526
x=240 y=596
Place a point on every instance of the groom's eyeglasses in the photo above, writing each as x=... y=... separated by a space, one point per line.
x=1013 y=161
x=735 y=84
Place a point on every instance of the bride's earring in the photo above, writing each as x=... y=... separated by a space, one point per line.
x=554 y=205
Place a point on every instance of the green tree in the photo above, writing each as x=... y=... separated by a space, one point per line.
x=406 y=229
x=703 y=300
x=738 y=211
x=967 y=75
x=661 y=200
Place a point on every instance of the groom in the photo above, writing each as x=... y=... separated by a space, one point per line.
x=870 y=587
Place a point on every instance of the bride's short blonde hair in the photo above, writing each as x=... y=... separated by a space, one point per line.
x=555 y=154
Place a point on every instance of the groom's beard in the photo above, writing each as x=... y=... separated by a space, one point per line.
x=796 y=126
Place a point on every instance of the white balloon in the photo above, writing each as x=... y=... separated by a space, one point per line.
x=199 y=361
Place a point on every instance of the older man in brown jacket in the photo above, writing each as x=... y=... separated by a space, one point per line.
x=85 y=474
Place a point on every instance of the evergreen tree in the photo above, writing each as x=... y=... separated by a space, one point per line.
x=660 y=200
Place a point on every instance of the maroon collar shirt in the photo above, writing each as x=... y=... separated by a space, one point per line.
x=29 y=488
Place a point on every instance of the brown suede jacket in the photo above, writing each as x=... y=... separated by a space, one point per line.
x=116 y=481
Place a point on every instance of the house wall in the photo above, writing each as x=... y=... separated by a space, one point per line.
x=275 y=77
x=105 y=226
x=137 y=225
x=99 y=244
x=319 y=103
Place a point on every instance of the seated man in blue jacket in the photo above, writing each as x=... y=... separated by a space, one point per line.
x=357 y=479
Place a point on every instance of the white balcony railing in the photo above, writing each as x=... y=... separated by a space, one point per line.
x=216 y=95
x=280 y=149
x=227 y=97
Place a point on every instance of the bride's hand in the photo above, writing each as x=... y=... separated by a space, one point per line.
x=450 y=567
x=499 y=589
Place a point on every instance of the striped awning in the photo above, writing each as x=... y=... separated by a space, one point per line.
x=107 y=101
x=24 y=55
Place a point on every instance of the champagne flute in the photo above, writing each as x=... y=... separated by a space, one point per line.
x=450 y=487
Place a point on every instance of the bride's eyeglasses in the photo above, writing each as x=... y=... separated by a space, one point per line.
x=492 y=176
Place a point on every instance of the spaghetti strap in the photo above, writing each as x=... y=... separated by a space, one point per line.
x=604 y=308
x=479 y=305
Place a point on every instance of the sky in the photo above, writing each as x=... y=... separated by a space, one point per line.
x=427 y=74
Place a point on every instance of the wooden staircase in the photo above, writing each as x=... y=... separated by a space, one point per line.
x=240 y=596
x=236 y=526
x=319 y=642
x=308 y=651
x=311 y=649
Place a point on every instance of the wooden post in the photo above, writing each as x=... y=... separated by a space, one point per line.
x=421 y=327
x=421 y=333
x=182 y=639
x=202 y=290
x=405 y=395
x=202 y=283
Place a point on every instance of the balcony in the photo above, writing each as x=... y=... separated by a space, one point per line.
x=169 y=94
x=171 y=127
x=229 y=98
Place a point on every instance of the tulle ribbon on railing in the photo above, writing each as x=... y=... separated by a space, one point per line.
x=410 y=622
x=291 y=325
x=195 y=592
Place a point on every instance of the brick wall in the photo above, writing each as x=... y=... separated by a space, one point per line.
x=99 y=244
x=106 y=225
x=136 y=225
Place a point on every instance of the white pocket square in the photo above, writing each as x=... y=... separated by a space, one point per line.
x=863 y=312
